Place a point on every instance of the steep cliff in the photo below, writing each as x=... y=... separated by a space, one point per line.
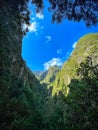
x=73 y=103
x=19 y=89
x=47 y=76
x=86 y=46
x=69 y=103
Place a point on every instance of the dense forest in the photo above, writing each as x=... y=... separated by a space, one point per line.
x=61 y=98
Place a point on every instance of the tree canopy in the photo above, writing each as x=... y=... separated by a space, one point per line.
x=75 y=10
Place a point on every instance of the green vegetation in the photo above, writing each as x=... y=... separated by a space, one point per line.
x=87 y=46
x=69 y=103
x=65 y=104
x=74 y=10
x=73 y=103
x=47 y=76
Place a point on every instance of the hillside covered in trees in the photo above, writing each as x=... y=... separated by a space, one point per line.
x=68 y=102
x=74 y=91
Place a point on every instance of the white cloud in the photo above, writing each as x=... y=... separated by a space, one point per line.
x=68 y=54
x=40 y=15
x=74 y=45
x=59 y=51
x=53 y=62
x=33 y=18
x=35 y=25
x=48 y=39
x=31 y=28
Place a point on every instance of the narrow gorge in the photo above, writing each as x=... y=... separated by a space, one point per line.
x=66 y=99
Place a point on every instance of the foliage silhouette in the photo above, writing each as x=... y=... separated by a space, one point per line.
x=75 y=10
x=72 y=10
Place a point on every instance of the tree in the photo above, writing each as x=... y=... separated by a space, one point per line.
x=81 y=112
x=76 y=10
x=88 y=71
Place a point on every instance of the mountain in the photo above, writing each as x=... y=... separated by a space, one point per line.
x=38 y=74
x=20 y=91
x=70 y=102
x=73 y=105
x=47 y=76
x=86 y=46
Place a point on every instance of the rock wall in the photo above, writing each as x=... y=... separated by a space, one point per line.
x=10 y=39
x=19 y=89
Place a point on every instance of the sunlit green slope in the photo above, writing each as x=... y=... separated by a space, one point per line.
x=50 y=74
x=86 y=46
x=47 y=76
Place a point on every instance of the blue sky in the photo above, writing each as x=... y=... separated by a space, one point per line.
x=47 y=44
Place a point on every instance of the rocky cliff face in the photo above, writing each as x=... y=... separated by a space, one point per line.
x=74 y=95
x=10 y=38
x=25 y=104
x=86 y=46
x=18 y=87
x=47 y=76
